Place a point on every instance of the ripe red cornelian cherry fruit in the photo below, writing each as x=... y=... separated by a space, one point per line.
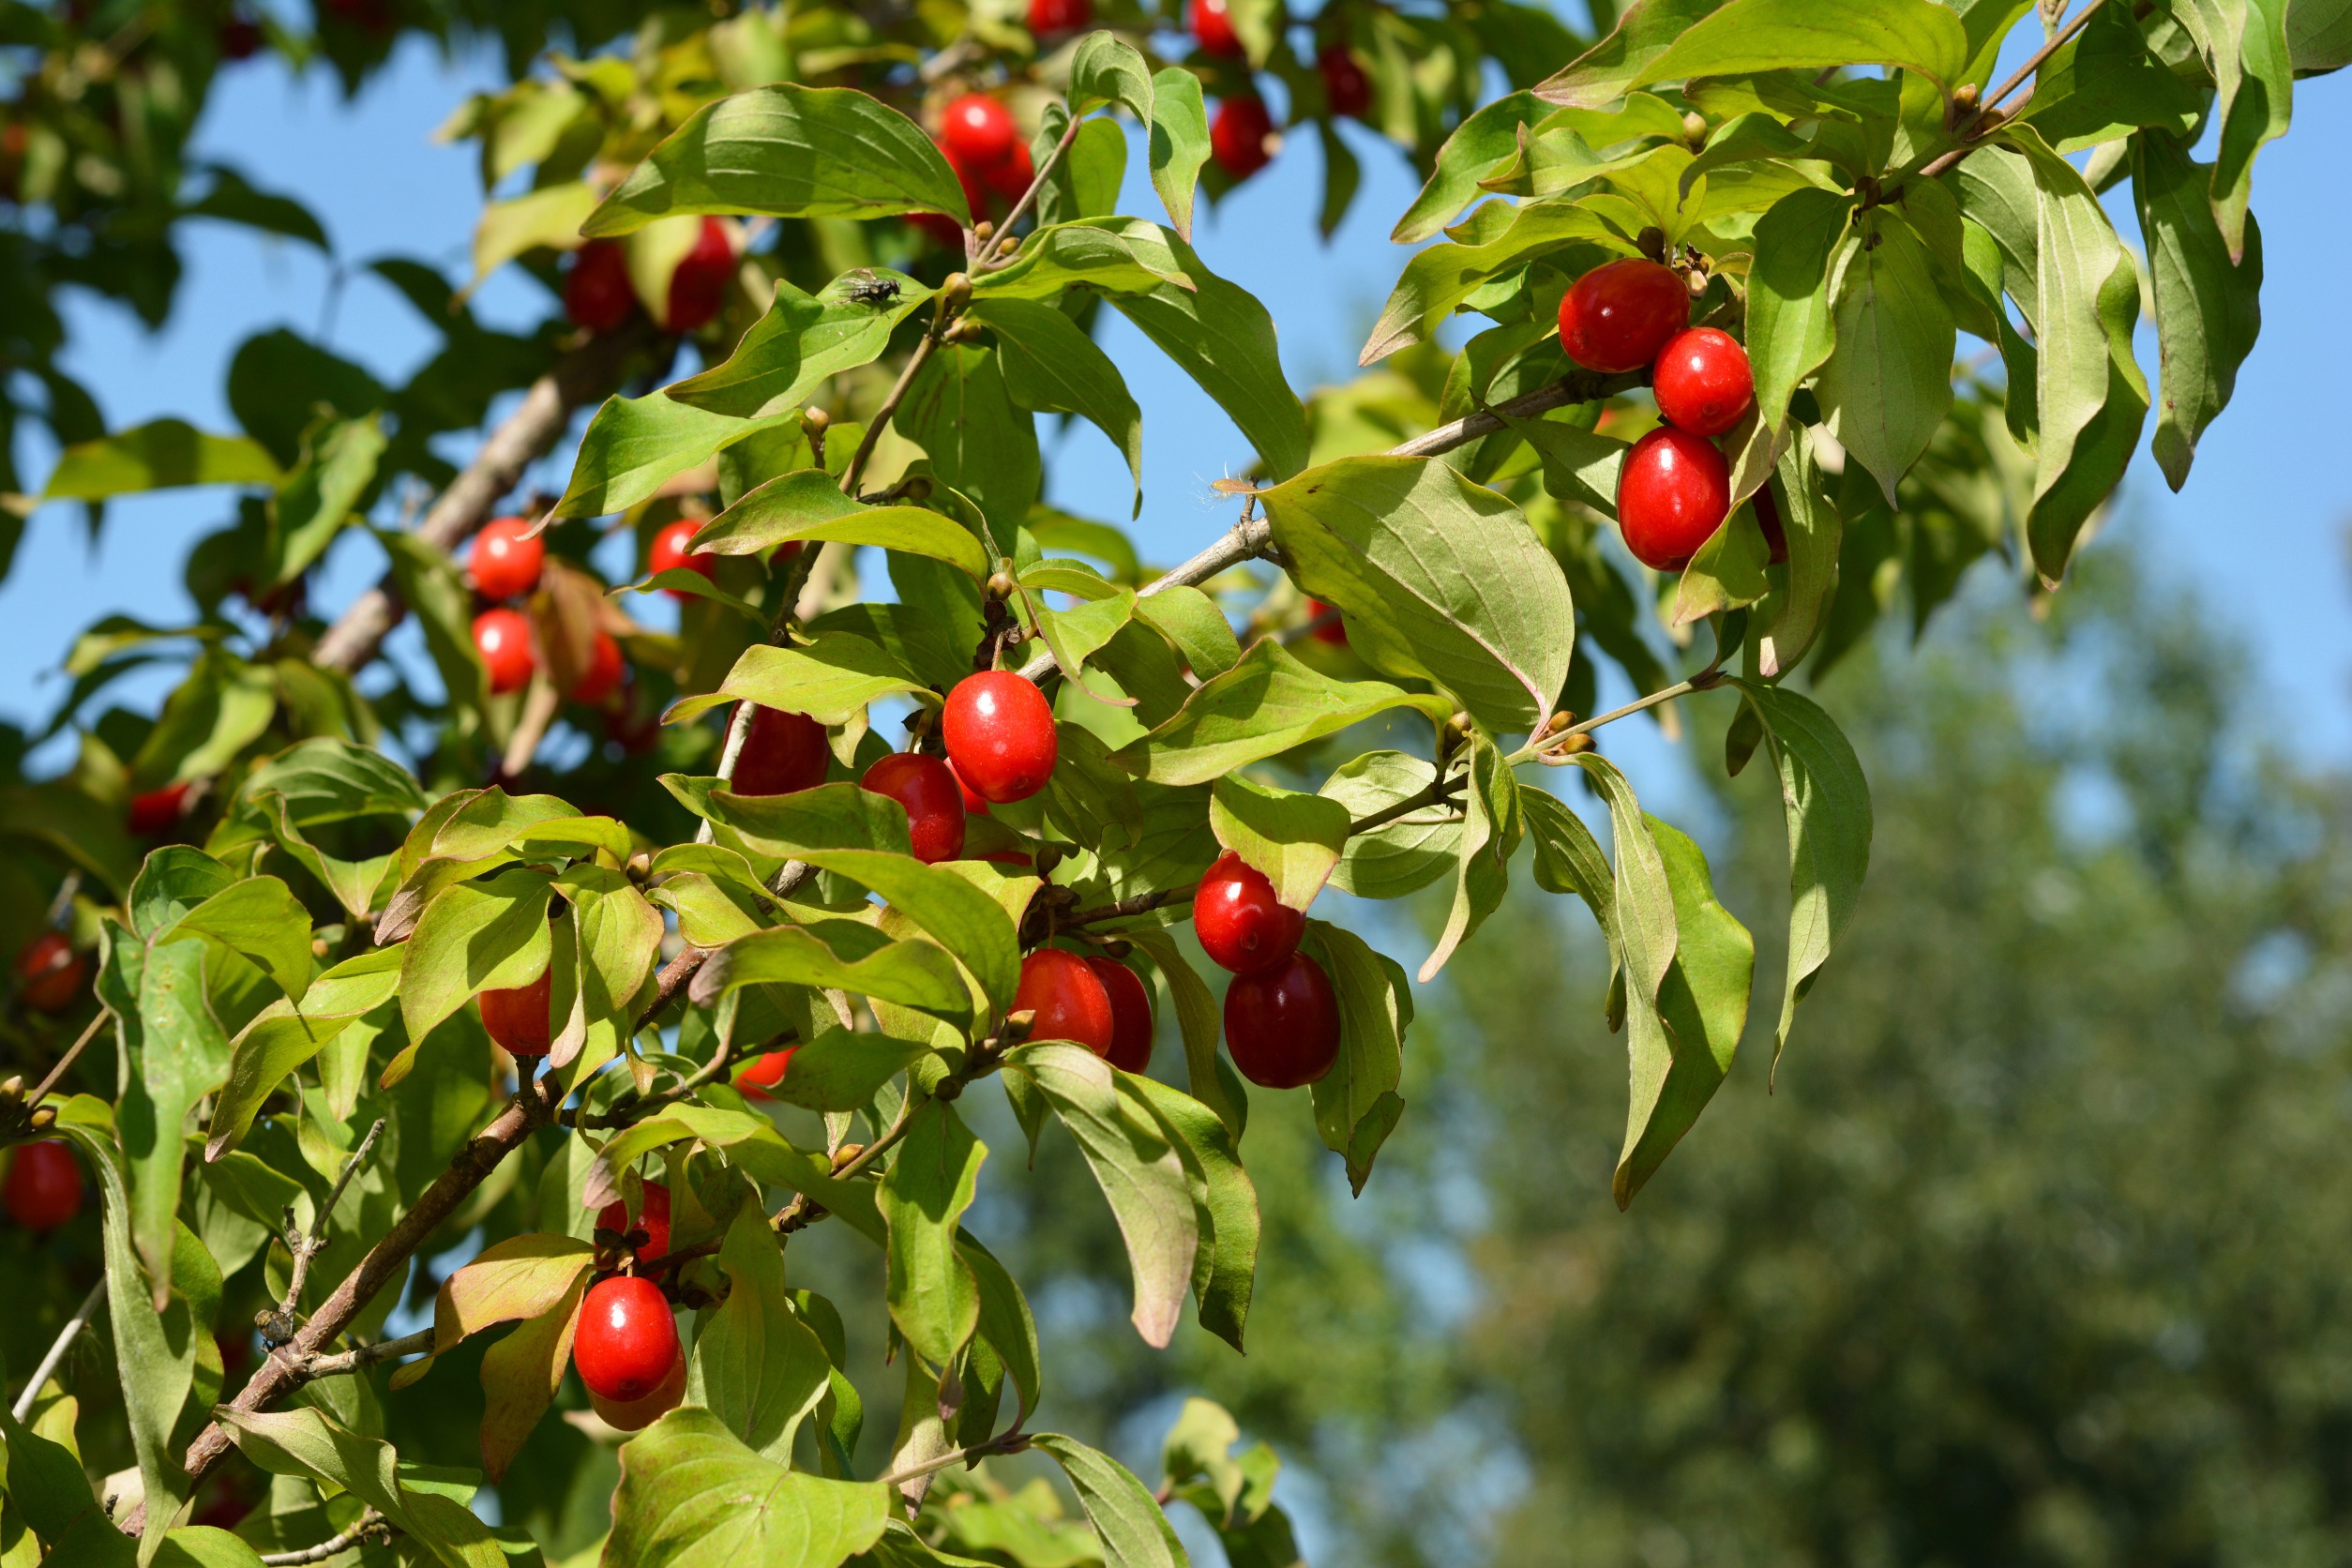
x=1672 y=494
x=978 y=130
x=1329 y=624
x=782 y=752
x=1238 y=136
x=669 y=549
x=1068 y=998
x=502 y=638
x=1130 y=1014
x=626 y=1345
x=934 y=799
x=602 y=677
x=652 y=1217
x=1347 y=89
x=1242 y=926
x=1281 y=1025
x=1212 y=29
x=974 y=805
x=518 y=1019
x=1703 y=381
x=1008 y=179
x=697 y=285
x=508 y=558
x=49 y=972
x=43 y=1189
x=1000 y=734
x=157 y=811
x=1617 y=316
x=1051 y=18
x=764 y=1072
x=598 y=294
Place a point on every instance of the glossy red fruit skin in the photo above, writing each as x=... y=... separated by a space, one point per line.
x=598 y=294
x=974 y=805
x=1703 y=381
x=1334 y=631
x=1242 y=926
x=1050 y=18
x=652 y=1217
x=934 y=799
x=502 y=638
x=1130 y=1014
x=43 y=1189
x=1347 y=89
x=1282 y=1026
x=698 y=285
x=602 y=677
x=1000 y=734
x=157 y=811
x=977 y=131
x=1617 y=316
x=507 y=559
x=517 y=1019
x=1237 y=137
x=783 y=753
x=669 y=549
x=1068 y=998
x=627 y=1342
x=764 y=1072
x=1673 y=494
x=1008 y=180
x=1212 y=29
x=49 y=972
x=635 y=1415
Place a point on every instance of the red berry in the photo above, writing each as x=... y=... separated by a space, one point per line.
x=49 y=972
x=698 y=285
x=1009 y=179
x=652 y=1217
x=506 y=558
x=602 y=677
x=1617 y=316
x=977 y=132
x=1000 y=734
x=1049 y=18
x=764 y=1072
x=632 y=1416
x=43 y=1188
x=669 y=549
x=517 y=1019
x=627 y=1342
x=939 y=229
x=1282 y=1027
x=1238 y=136
x=598 y=294
x=1130 y=1014
x=502 y=638
x=157 y=811
x=1242 y=926
x=1212 y=29
x=1702 y=381
x=1345 y=88
x=974 y=805
x=1069 y=1000
x=1672 y=494
x=784 y=752
x=934 y=799
x=1333 y=630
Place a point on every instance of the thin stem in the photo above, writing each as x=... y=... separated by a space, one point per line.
x=993 y=256
x=369 y=1523
x=1010 y=1443
x=881 y=421
x=49 y=1080
x=279 y=1327
x=1141 y=903
x=1968 y=129
x=874 y=1151
x=311 y=1369
x=63 y=1342
x=1437 y=793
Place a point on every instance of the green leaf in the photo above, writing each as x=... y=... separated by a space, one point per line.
x=1401 y=856
x=1726 y=573
x=1052 y=367
x=1117 y=256
x=2103 y=84
x=549 y=218
x=86 y=832
x=808 y=505
x=232 y=200
x=691 y=1493
x=1748 y=36
x=1105 y=70
x=829 y=817
x=1795 y=613
x=1133 y=1531
x=1266 y=705
x=1790 y=327
x=801 y=343
x=1479 y=144
x=1006 y=1322
x=1439 y=278
x=1179 y=143
x=261 y=918
x=1886 y=387
x=961 y=411
x=520 y=1376
x=1225 y=1204
x=2243 y=44
x=471 y=937
x=2207 y=309
x=163 y=454
x=1135 y=1167
x=436 y=592
x=932 y=1294
x=1490 y=833
x=616 y=941
x=1086 y=182
x=953 y=912
x=309 y=1442
x=2319 y=36
x=840 y=1070
x=635 y=443
x=1294 y=839
x=319 y=496
x=1201 y=1024
x=1439 y=578
x=317 y=782
x=177 y=1054
x=843 y=954
x=222 y=706
x=284 y=1037
x=1621 y=61
x=523 y=1276
x=1827 y=802
x=831 y=680
x=788 y=151
x=757 y=1366
x=1191 y=620
x=1356 y=1103
x=1641 y=920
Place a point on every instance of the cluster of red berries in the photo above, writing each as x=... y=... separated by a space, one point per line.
x=1240 y=136
x=980 y=141
x=506 y=565
x=1675 y=488
x=625 y=1346
x=43 y=1188
x=599 y=297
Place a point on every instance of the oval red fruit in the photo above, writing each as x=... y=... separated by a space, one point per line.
x=43 y=1189
x=1672 y=494
x=1282 y=1026
x=634 y=1415
x=1069 y=1000
x=1347 y=90
x=1130 y=1014
x=1212 y=29
x=977 y=131
x=157 y=811
x=502 y=638
x=508 y=558
x=1617 y=316
x=598 y=294
x=518 y=1017
x=1000 y=734
x=1051 y=18
x=974 y=805
x=764 y=1072
x=1329 y=624
x=1008 y=179
x=783 y=752
x=698 y=286
x=627 y=1342
x=49 y=972
x=652 y=1217
x=1239 y=134
x=602 y=677
x=1703 y=381
x=934 y=799
x=1242 y=926
x=669 y=549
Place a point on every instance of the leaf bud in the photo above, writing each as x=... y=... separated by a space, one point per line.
x=1017 y=1026
x=815 y=420
x=1047 y=856
x=1695 y=130
x=955 y=293
x=43 y=1117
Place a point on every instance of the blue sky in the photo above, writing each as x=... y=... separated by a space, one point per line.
x=2259 y=529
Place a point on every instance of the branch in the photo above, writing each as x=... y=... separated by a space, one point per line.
x=1976 y=127
x=309 y=1369
x=1440 y=792
x=279 y=1327
x=1009 y=1443
x=370 y=1523
x=993 y=256
x=63 y=1342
